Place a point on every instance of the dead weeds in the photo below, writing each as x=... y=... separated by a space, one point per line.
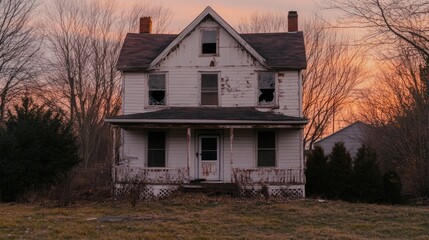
x=196 y=216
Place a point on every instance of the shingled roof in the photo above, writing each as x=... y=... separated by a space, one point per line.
x=280 y=50
x=206 y=115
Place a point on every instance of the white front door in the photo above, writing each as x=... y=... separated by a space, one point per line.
x=209 y=157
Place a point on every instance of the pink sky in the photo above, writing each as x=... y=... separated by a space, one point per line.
x=184 y=11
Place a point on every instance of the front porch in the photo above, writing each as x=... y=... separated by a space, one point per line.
x=241 y=146
x=163 y=182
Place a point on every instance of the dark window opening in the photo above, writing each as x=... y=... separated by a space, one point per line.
x=267 y=87
x=157 y=89
x=209 y=89
x=209 y=42
x=266 y=149
x=156 y=149
x=209 y=149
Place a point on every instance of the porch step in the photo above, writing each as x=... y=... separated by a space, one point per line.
x=211 y=188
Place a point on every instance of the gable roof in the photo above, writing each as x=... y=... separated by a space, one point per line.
x=359 y=124
x=281 y=50
x=142 y=51
x=205 y=115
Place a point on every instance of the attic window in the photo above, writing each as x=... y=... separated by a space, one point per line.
x=267 y=88
x=157 y=89
x=209 y=41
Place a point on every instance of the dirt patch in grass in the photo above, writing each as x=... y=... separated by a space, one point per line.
x=200 y=217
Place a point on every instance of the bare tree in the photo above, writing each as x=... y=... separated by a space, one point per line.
x=263 y=23
x=389 y=22
x=397 y=106
x=334 y=69
x=18 y=48
x=398 y=111
x=84 y=40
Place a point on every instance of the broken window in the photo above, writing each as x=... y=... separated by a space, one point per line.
x=209 y=41
x=156 y=149
x=209 y=89
x=267 y=88
x=157 y=89
x=266 y=149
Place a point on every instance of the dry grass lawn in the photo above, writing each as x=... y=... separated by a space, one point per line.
x=200 y=217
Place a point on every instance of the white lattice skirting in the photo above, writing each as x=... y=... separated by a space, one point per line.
x=146 y=192
x=292 y=191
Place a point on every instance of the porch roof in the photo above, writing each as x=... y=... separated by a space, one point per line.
x=208 y=115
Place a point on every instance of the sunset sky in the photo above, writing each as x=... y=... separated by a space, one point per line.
x=184 y=11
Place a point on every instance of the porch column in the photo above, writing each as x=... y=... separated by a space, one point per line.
x=231 y=153
x=188 y=160
x=114 y=130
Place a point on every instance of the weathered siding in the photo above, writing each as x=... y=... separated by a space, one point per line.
x=238 y=81
x=243 y=149
x=289 y=145
x=176 y=148
x=134 y=147
x=135 y=92
x=289 y=93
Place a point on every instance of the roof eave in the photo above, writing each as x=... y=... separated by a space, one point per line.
x=205 y=121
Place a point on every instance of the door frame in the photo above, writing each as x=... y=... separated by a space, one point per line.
x=200 y=135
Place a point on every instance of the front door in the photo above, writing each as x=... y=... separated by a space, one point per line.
x=209 y=157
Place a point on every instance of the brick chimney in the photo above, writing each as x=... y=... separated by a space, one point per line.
x=145 y=25
x=292 y=21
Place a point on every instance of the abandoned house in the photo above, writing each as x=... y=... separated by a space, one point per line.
x=212 y=106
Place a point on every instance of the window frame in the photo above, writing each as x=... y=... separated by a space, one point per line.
x=201 y=88
x=148 y=105
x=148 y=149
x=207 y=29
x=275 y=148
x=275 y=99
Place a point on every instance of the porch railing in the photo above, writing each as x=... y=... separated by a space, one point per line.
x=248 y=176
x=131 y=174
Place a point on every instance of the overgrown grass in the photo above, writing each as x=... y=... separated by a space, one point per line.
x=200 y=217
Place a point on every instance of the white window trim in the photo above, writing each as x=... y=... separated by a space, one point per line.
x=147 y=105
x=275 y=104
x=202 y=29
x=218 y=88
x=257 y=149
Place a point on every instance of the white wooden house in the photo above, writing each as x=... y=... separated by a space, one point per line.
x=212 y=105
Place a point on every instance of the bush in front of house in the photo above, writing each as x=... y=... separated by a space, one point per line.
x=37 y=149
x=316 y=173
x=367 y=181
x=339 y=173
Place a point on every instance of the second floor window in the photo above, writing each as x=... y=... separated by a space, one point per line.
x=157 y=89
x=209 y=89
x=267 y=88
x=209 y=42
